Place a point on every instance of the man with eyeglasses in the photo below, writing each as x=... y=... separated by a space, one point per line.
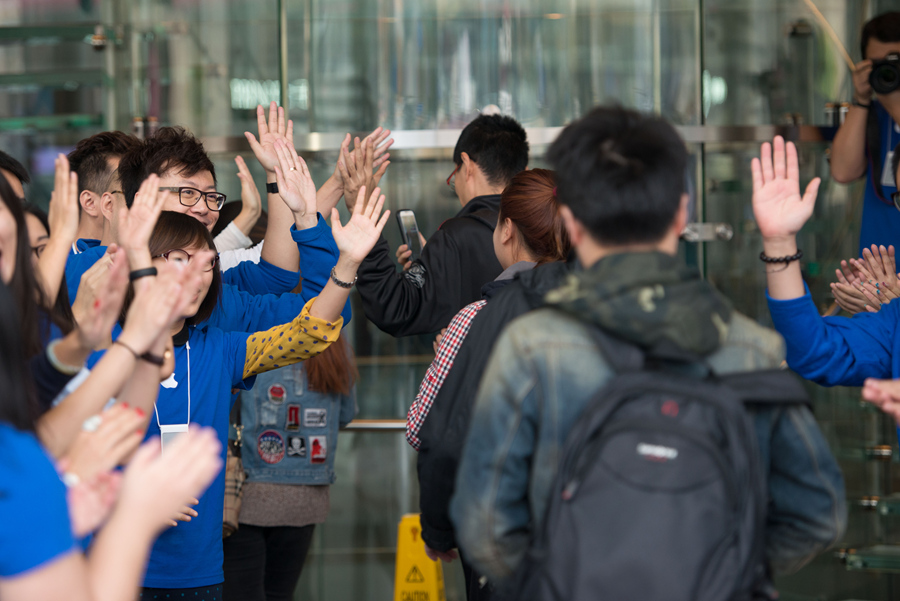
x=459 y=258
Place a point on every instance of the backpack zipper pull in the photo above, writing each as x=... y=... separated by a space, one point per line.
x=569 y=491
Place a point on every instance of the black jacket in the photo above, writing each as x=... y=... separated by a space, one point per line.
x=455 y=263
x=444 y=432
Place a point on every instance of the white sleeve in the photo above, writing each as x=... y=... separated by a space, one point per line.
x=230 y=258
x=232 y=238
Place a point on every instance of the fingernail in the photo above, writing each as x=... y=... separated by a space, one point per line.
x=139 y=411
x=124 y=404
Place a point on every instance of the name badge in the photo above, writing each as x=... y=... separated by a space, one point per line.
x=169 y=432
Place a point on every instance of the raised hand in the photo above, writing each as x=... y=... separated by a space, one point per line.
x=156 y=487
x=136 y=224
x=356 y=239
x=779 y=208
x=356 y=167
x=251 y=204
x=63 y=212
x=381 y=142
x=295 y=185
x=63 y=221
x=276 y=129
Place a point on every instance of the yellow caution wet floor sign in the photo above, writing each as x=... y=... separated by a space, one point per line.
x=417 y=577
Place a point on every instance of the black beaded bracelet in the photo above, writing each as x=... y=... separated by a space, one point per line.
x=790 y=259
x=861 y=104
x=141 y=273
x=341 y=283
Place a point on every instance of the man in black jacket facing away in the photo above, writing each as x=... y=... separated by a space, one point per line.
x=459 y=258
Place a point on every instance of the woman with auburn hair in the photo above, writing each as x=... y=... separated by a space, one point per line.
x=304 y=404
x=529 y=232
x=531 y=243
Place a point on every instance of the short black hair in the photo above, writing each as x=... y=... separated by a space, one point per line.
x=497 y=144
x=15 y=167
x=622 y=174
x=884 y=28
x=90 y=158
x=170 y=148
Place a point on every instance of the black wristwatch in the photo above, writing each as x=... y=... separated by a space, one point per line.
x=156 y=359
x=272 y=188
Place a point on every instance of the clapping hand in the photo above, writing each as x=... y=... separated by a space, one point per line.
x=356 y=239
x=296 y=186
x=98 y=303
x=356 y=168
x=779 y=208
x=156 y=487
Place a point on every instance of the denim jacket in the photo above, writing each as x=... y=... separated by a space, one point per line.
x=545 y=368
x=289 y=431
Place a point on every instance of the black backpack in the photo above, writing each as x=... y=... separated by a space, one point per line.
x=660 y=493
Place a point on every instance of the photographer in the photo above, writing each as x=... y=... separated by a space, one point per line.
x=864 y=143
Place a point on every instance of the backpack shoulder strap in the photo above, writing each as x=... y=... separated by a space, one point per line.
x=622 y=356
x=767 y=387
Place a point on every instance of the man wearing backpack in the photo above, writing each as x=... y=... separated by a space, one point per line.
x=621 y=185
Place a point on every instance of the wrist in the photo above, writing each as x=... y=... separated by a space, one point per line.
x=133 y=343
x=270 y=177
x=780 y=246
x=138 y=258
x=305 y=221
x=346 y=267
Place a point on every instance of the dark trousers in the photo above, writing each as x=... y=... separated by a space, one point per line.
x=264 y=563
x=474 y=590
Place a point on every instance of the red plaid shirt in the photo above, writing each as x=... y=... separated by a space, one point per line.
x=438 y=370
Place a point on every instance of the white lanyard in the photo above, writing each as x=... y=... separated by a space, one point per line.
x=169 y=431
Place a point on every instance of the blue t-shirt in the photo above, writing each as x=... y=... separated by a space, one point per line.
x=238 y=310
x=190 y=554
x=35 y=526
x=880 y=219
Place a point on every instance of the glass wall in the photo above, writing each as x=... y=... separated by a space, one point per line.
x=727 y=72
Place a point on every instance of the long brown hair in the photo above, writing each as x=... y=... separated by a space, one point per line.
x=334 y=370
x=530 y=202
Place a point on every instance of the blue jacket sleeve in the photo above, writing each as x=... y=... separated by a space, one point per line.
x=318 y=254
x=260 y=278
x=835 y=351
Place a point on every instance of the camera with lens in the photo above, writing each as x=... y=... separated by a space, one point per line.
x=885 y=75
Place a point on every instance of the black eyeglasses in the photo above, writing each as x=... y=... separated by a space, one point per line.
x=180 y=257
x=191 y=196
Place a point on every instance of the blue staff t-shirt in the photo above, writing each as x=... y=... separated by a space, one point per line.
x=35 y=527
x=190 y=554
x=880 y=219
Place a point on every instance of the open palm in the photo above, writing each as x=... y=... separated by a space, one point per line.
x=356 y=239
x=779 y=208
x=276 y=129
x=295 y=184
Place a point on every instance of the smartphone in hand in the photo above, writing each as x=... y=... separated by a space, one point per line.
x=409 y=232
